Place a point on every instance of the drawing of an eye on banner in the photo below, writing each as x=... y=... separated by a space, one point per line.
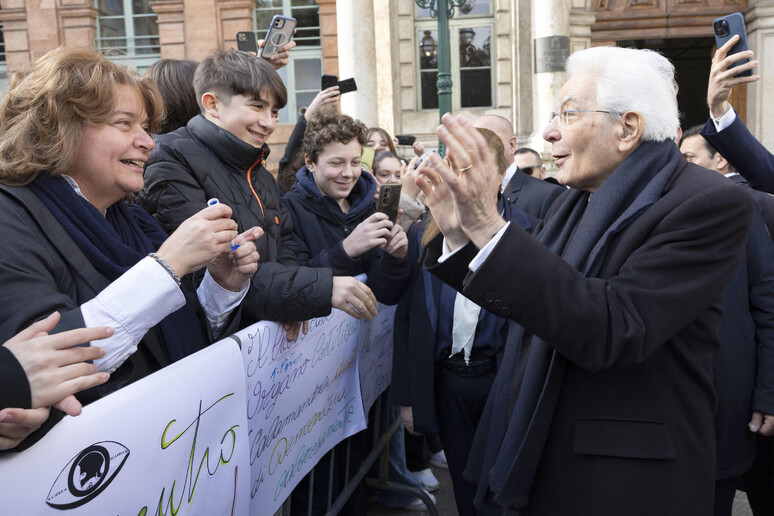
x=175 y=441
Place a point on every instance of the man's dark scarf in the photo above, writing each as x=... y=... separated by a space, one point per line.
x=519 y=412
x=114 y=243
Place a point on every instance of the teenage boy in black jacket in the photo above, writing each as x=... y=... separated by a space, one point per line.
x=221 y=154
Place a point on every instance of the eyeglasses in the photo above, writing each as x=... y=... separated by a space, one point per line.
x=568 y=116
x=529 y=170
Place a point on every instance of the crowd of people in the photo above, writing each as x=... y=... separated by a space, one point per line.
x=597 y=343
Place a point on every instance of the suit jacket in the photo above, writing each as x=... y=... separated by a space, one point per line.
x=415 y=333
x=751 y=159
x=42 y=270
x=534 y=196
x=744 y=366
x=632 y=430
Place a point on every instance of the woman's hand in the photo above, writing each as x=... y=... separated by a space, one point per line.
x=199 y=240
x=232 y=269
x=55 y=365
x=374 y=231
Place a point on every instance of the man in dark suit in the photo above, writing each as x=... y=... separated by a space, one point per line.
x=726 y=132
x=529 y=161
x=604 y=402
x=744 y=366
x=529 y=193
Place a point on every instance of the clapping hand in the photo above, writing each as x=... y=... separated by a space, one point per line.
x=469 y=182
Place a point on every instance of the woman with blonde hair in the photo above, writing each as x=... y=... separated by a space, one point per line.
x=74 y=139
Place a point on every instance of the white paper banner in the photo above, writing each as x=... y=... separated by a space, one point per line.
x=375 y=355
x=304 y=397
x=215 y=433
x=174 y=442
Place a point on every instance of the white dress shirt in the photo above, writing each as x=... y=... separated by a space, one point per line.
x=725 y=120
x=508 y=176
x=482 y=255
x=140 y=298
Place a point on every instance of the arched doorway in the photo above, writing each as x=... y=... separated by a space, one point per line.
x=682 y=31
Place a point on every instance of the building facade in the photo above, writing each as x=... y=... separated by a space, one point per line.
x=506 y=54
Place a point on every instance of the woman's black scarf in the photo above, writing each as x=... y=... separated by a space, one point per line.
x=113 y=244
x=519 y=412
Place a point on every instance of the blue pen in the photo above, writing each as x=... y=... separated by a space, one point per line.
x=213 y=202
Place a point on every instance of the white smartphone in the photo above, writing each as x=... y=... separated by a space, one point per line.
x=279 y=33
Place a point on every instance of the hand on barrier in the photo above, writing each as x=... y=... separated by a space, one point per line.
x=353 y=297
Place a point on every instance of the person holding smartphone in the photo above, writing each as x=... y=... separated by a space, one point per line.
x=331 y=205
x=728 y=135
x=387 y=169
x=221 y=153
x=335 y=225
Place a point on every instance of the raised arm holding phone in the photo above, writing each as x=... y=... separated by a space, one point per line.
x=725 y=131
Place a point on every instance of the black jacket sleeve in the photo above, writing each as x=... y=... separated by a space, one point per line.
x=294 y=142
x=750 y=158
x=14 y=387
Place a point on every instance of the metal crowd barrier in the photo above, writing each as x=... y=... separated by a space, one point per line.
x=382 y=433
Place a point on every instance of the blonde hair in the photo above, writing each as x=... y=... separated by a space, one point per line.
x=42 y=116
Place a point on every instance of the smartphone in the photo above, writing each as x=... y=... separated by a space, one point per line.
x=423 y=157
x=327 y=81
x=347 y=85
x=725 y=27
x=367 y=159
x=246 y=41
x=389 y=199
x=279 y=33
x=405 y=139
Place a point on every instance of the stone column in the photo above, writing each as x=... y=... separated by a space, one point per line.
x=357 y=58
x=387 y=66
x=760 y=95
x=521 y=68
x=549 y=18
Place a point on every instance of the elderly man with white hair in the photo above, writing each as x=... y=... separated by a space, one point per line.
x=603 y=404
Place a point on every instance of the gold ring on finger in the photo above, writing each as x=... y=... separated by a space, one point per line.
x=466 y=168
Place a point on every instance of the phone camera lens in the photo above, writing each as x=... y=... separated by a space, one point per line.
x=721 y=28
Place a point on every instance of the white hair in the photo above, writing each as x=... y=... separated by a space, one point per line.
x=628 y=79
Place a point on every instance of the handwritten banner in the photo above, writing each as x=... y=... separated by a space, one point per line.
x=303 y=397
x=215 y=433
x=174 y=442
x=375 y=355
